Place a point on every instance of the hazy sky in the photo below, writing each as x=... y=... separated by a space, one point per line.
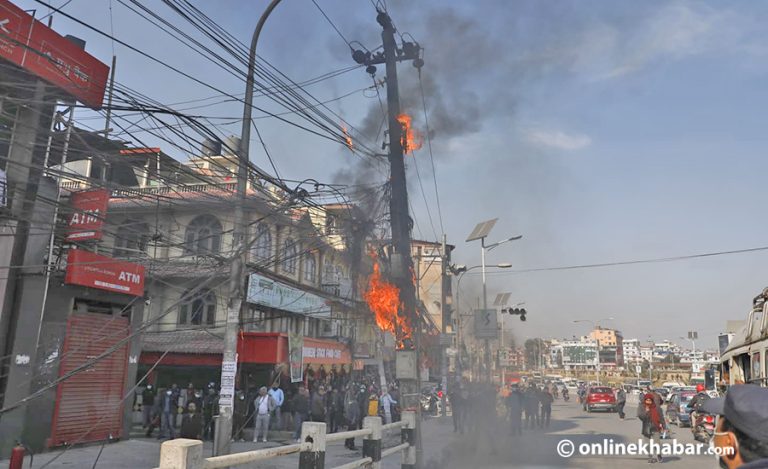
x=601 y=131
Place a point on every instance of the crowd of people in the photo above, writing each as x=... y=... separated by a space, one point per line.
x=341 y=404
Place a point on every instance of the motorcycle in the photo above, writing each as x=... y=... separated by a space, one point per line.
x=703 y=426
x=566 y=397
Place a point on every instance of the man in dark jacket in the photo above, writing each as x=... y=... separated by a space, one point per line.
x=210 y=408
x=239 y=416
x=147 y=402
x=621 y=400
x=317 y=405
x=515 y=407
x=300 y=406
x=546 y=408
x=192 y=423
x=336 y=410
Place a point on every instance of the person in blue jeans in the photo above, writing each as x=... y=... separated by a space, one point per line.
x=300 y=405
x=169 y=411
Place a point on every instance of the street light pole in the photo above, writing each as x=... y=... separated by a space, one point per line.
x=237 y=271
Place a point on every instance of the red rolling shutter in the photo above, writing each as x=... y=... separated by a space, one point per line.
x=88 y=405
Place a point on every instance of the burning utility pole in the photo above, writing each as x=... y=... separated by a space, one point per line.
x=408 y=365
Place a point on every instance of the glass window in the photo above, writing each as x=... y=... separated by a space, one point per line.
x=203 y=236
x=131 y=239
x=262 y=246
x=310 y=268
x=198 y=308
x=290 y=251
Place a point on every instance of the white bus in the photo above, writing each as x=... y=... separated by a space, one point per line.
x=744 y=359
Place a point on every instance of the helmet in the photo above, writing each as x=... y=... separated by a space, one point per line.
x=699 y=388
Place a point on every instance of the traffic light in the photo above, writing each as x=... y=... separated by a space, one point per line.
x=516 y=311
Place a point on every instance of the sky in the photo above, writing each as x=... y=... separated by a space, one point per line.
x=601 y=131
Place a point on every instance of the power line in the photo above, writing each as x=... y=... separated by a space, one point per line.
x=333 y=26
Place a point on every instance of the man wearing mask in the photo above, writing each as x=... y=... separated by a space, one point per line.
x=300 y=410
x=210 y=408
x=279 y=397
x=147 y=402
x=239 y=416
x=742 y=427
x=169 y=411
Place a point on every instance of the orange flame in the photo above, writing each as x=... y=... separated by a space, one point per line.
x=347 y=138
x=383 y=299
x=411 y=138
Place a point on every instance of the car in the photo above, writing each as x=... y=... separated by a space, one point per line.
x=678 y=411
x=663 y=392
x=600 y=398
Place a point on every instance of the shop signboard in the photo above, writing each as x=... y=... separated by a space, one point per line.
x=33 y=46
x=88 y=211
x=296 y=356
x=87 y=269
x=267 y=292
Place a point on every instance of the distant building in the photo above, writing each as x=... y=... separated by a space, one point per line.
x=611 y=344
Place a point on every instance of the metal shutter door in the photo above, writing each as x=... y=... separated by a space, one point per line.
x=89 y=404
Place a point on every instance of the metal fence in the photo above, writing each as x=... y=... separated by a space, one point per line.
x=188 y=454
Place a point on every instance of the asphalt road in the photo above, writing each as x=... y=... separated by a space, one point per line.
x=493 y=448
x=489 y=447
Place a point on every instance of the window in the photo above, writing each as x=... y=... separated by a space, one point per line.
x=131 y=239
x=198 y=308
x=329 y=275
x=203 y=236
x=289 y=256
x=310 y=268
x=262 y=246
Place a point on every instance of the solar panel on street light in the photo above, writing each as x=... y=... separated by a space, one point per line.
x=482 y=230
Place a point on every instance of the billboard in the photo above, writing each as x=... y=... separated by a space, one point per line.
x=267 y=292
x=87 y=219
x=87 y=269
x=38 y=49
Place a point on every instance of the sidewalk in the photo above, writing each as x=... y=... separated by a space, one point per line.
x=144 y=453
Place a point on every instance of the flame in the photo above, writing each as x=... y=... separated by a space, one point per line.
x=383 y=299
x=411 y=138
x=347 y=138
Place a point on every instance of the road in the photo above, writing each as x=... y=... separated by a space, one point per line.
x=538 y=448
x=489 y=448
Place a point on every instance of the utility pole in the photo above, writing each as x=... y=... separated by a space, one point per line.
x=237 y=271
x=444 y=329
x=401 y=260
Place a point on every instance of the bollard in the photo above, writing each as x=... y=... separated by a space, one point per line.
x=313 y=432
x=372 y=442
x=408 y=435
x=182 y=453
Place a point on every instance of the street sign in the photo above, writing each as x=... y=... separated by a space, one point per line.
x=638 y=369
x=486 y=324
x=505 y=357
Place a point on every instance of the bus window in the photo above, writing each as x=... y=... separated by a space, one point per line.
x=756 y=368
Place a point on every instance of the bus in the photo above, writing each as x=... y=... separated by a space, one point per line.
x=744 y=358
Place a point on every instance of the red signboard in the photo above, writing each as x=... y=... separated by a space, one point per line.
x=92 y=270
x=40 y=50
x=89 y=210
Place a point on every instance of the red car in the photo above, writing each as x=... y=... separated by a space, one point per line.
x=600 y=398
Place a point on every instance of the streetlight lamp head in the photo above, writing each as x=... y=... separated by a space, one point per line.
x=504 y=265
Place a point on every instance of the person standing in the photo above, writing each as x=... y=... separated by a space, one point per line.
x=192 y=423
x=454 y=396
x=531 y=407
x=652 y=422
x=264 y=405
x=239 y=416
x=336 y=410
x=300 y=405
x=176 y=394
x=147 y=402
x=387 y=403
x=515 y=407
x=317 y=405
x=210 y=408
x=279 y=396
x=351 y=415
x=169 y=411
x=621 y=401
x=546 y=408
